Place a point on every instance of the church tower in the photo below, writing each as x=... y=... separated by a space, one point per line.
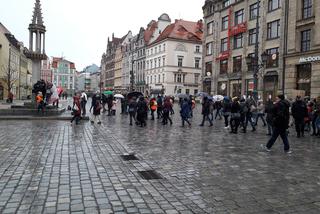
x=36 y=51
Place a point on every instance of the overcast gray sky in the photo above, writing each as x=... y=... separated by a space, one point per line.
x=79 y=29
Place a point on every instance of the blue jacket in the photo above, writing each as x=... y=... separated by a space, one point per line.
x=185 y=110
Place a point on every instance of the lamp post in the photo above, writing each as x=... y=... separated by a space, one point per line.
x=256 y=57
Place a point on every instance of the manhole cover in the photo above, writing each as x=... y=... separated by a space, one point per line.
x=150 y=175
x=129 y=157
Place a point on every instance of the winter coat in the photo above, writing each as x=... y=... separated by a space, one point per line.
x=281 y=115
x=206 y=108
x=299 y=110
x=185 y=110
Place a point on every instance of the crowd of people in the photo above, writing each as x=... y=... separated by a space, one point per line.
x=238 y=113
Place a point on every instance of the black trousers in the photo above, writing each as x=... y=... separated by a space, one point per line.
x=234 y=123
x=299 y=124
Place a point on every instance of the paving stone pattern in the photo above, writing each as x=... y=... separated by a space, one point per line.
x=55 y=167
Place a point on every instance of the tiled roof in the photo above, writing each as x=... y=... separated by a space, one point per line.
x=183 y=30
x=152 y=26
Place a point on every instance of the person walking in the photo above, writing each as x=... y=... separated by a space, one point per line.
x=83 y=102
x=76 y=109
x=243 y=112
x=142 y=110
x=206 y=111
x=250 y=114
x=96 y=107
x=167 y=106
x=40 y=102
x=114 y=107
x=260 y=113
x=159 y=107
x=235 y=115
x=299 y=112
x=132 y=110
x=269 y=118
x=218 y=107
x=281 y=118
x=185 y=112
x=153 y=107
x=226 y=109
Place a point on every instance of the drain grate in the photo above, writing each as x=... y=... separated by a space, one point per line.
x=129 y=157
x=150 y=175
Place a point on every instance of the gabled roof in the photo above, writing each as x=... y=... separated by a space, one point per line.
x=152 y=26
x=183 y=30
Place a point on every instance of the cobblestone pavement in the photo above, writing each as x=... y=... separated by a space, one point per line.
x=55 y=167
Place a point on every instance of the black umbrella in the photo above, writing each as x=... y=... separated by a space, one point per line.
x=134 y=94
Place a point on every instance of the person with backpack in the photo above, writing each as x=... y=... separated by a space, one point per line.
x=281 y=117
x=76 y=109
x=269 y=119
x=299 y=112
x=132 y=109
x=159 y=107
x=243 y=113
x=226 y=109
x=235 y=115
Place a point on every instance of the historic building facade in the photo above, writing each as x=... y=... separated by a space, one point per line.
x=140 y=61
x=173 y=60
x=230 y=37
x=302 y=60
x=64 y=74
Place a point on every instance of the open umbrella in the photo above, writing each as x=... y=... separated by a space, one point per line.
x=120 y=96
x=134 y=94
x=202 y=94
x=182 y=96
x=107 y=92
x=218 y=97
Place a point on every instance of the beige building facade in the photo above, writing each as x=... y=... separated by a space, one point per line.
x=302 y=60
x=230 y=37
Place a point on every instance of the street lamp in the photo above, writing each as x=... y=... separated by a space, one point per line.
x=257 y=65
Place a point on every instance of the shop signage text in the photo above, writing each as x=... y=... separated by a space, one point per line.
x=309 y=59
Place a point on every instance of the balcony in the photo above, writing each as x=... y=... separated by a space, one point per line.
x=223 y=55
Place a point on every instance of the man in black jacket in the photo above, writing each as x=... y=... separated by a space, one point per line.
x=299 y=112
x=206 y=111
x=281 y=117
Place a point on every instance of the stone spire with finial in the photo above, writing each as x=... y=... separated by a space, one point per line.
x=37 y=14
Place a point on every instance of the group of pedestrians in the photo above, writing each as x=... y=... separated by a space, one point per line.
x=238 y=113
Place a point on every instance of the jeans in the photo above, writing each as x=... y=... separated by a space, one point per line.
x=260 y=115
x=234 y=123
x=226 y=120
x=132 y=116
x=204 y=118
x=249 y=119
x=185 y=119
x=275 y=135
x=269 y=128
x=218 y=113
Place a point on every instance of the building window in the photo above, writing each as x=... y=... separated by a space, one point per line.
x=187 y=91
x=225 y=23
x=159 y=78
x=304 y=78
x=209 y=48
x=210 y=28
x=251 y=65
x=238 y=17
x=163 y=61
x=197 y=62
x=155 y=63
x=195 y=92
x=237 y=64
x=197 y=49
x=183 y=78
x=252 y=36
x=253 y=11
x=273 y=57
x=208 y=68
x=224 y=66
x=180 y=61
x=163 y=75
x=273 y=29
x=196 y=78
x=305 y=40
x=306 y=9
x=224 y=44
x=226 y=3
x=273 y=5
x=238 y=41
x=164 y=47
x=178 y=78
x=159 y=48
